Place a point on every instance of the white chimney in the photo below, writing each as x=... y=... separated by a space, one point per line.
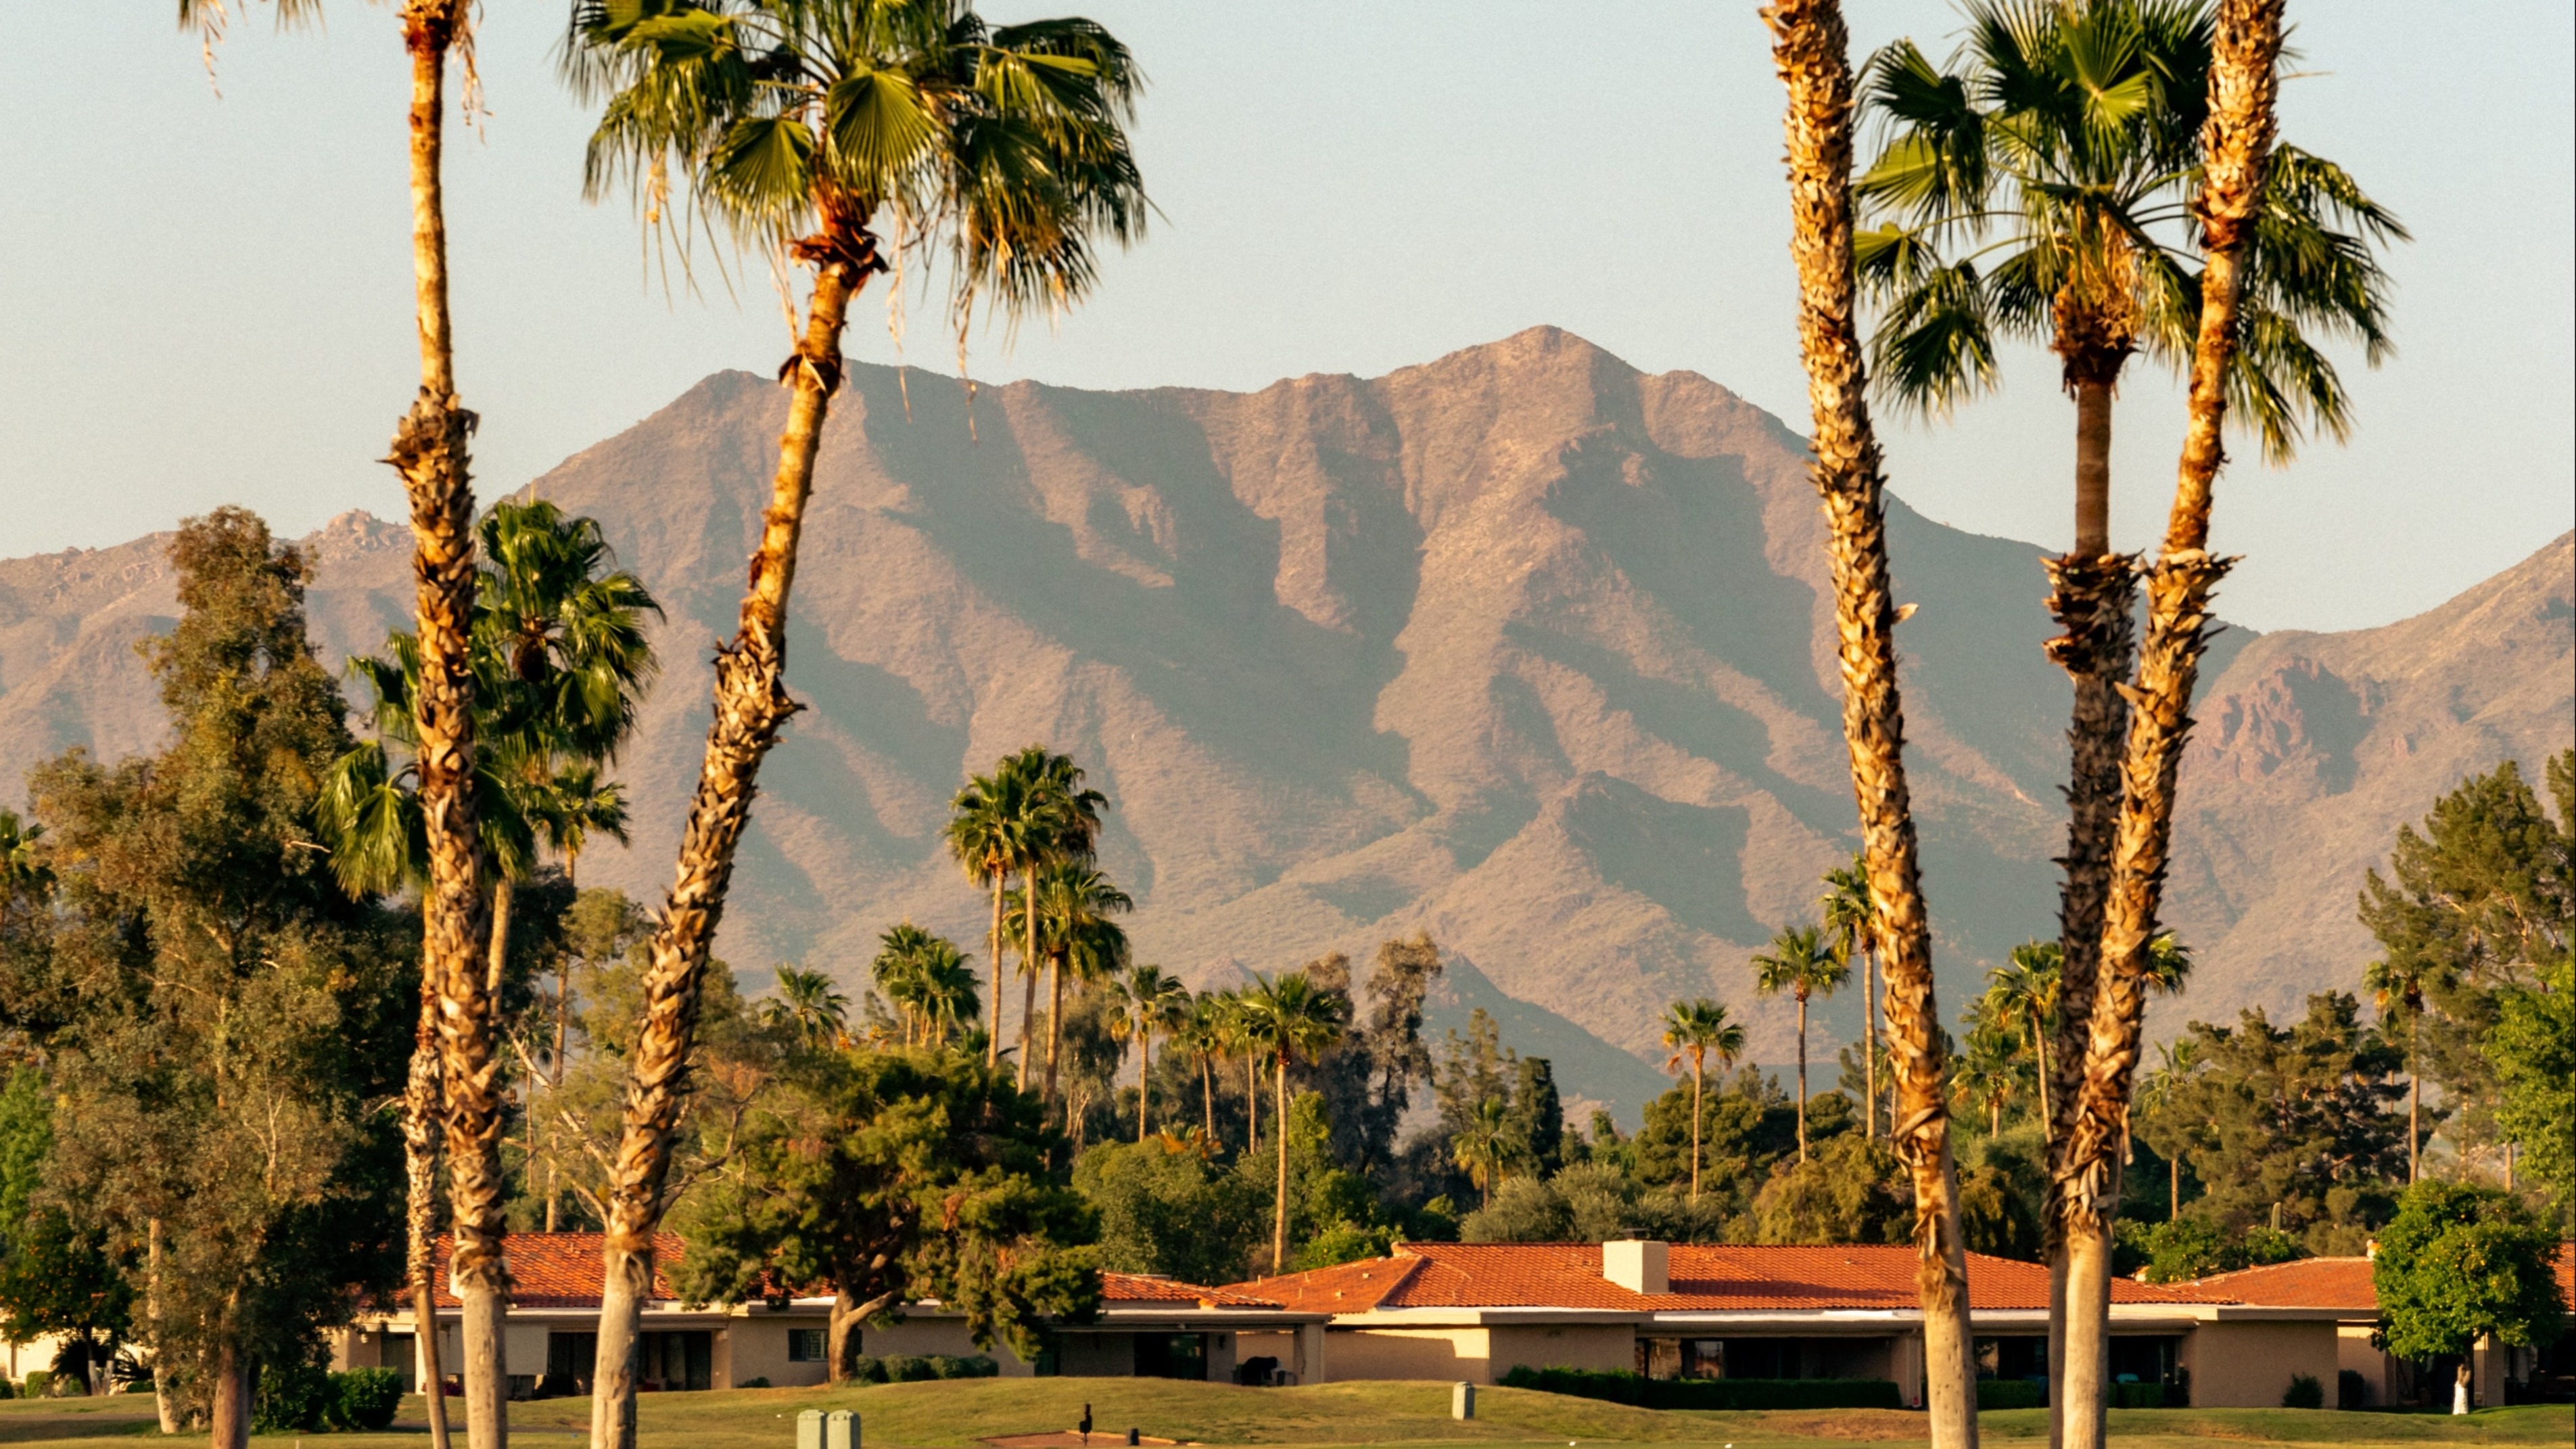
x=1640 y=1265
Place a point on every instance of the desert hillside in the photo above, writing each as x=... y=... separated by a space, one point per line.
x=1521 y=646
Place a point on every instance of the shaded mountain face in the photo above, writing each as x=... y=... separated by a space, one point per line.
x=1522 y=647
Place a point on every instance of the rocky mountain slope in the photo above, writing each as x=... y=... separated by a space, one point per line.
x=1522 y=647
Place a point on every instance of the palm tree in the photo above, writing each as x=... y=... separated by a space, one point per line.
x=1148 y=1002
x=2168 y=965
x=1988 y=1067
x=2024 y=992
x=2251 y=241
x=1062 y=823
x=1229 y=1024
x=1286 y=1018
x=800 y=127
x=1693 y=1029
x=811 y=1008
x=986 y=835
x=1811 y=50
x=1847 y=922
x=2397 y=989
x=1801 y=963
x=2177 y=1061
x=1074 y=904
x=1202 y=1035
x=2038 y=192
x=1488 y=1149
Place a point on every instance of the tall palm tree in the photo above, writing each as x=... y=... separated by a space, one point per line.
x=985 y=833
x=1074 y=904
x=2397 y=989
x=1811 y=50
x=2024 y=991
x=1848 y=924
x=2177 y=1060
x=1488 y=1149
x=1285 y=1019
x=1800 y=962
x=2249 y=238
x=2038 y=191
x=803 y=126
x=1693 y=1029
x=1149 y=1002
x=1988 y=1067
x=1202 y=1035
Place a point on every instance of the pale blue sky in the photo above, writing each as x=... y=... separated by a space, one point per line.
x=206 y=300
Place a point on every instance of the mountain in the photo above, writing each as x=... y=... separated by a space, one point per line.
x=1523 y=647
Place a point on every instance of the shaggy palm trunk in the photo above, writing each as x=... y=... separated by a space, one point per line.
x=2236 y=142
x=1811 y=49
x=751 y=703
x=993 y=1036
x=422 y=1104
x=1802 y=1075
x=1279 y=1204
x=429 y=450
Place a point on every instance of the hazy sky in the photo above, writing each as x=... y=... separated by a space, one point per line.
x=207 y=300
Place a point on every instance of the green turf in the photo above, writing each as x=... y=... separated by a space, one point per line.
x=960 y=1414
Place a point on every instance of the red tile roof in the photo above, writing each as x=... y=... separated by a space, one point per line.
x=1146 y=1288
x=561 y=1270
x=2338 y=1283
x=1703 y=1279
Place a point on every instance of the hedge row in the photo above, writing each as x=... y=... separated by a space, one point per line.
x=1620 y=1386
x=906 y=1368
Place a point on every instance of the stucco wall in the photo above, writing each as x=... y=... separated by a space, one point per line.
x=756 y=1348
x=2353 y=1351
x=1579 y=1346
x=929 y=1335
x=2249 y=1365
x=1410 y=1353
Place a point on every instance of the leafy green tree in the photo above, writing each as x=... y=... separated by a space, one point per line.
x=1853 y=1190
x=2460 y=1263
x=2534 y=1050
x=2478 y=901
x=1740 y=1128
x=2180 y=1249
x=1536 y=1117
x=57 y=1277
x=896 y=1176
x=1166 y=1208
x=2293 y=1120
x=238 y=1019
x=1800 y=962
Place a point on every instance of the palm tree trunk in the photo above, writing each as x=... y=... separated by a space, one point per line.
x=1144 y=1079
x=1029 y=962
x=1811 y=50
x=1279 y=1206
x=1802 y=1075
x=2173 y=1186
x=1252 y=1103
x=1028 y=1015
x=1698 y=1086
x=1869 y=1043
x=422 y=1107
x=751 y=703
x=1207 y=1097
x=2414 y=1119
x=1055 y=1022
x=993 y=1037
x=2243 y=86
x=429 y=450
x=2039 y=1043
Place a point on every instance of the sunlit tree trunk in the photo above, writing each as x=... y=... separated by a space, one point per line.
x=1811 y=49
x=422 y=1108
x=229 y=1414
x=1802 y=1074
x=1698 y=1087
x=993 y=1037
x=1055 y=1022
x=1279 y=1207
x=751 y=703
x=1869 y=1043
x=2243 y=86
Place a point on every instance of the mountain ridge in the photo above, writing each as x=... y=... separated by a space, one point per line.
x=1521 y=646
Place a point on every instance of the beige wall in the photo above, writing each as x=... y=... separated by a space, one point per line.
x=2249 y=1365
x=1410 y=1353
x=756 y=1348
x=929 y=1335
x=1577 y=1346
x=2353 y=1351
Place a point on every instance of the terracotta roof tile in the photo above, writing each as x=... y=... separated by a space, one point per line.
x=1142 y=1288
x=562 y=1270
x=1704 y=1278
x=2338 y=1283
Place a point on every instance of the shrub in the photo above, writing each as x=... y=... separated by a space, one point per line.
x=980 y=1366
x=364 y=1400
x=867 y=1368
x=2351 y=1391
x=1619 y=1386
x=760 y=1381
x=2138 y=1396
x=38 y=1381
x=8 y=1390
x=2011 y=1394
x=906 y=1368
x=293 y=1398
x=2304 y=1392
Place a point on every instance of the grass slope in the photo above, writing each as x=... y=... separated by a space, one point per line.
x=958 y=1415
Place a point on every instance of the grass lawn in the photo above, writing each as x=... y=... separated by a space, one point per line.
x=960 y=1414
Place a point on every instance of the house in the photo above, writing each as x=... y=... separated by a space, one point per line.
x=1147 y=1327
x=1473 y=1311
x=2342 y=1288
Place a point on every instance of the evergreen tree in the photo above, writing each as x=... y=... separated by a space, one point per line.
x=2460 y=1263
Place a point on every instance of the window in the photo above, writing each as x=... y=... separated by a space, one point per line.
x=806 y=1345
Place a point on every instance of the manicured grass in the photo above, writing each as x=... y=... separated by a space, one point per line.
x=959 y=1414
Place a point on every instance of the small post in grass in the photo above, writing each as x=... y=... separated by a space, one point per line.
x=1462 y=1400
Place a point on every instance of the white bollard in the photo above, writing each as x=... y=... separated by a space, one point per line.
x=1462 y=1400
x=841 y=1429
x=809 y=1429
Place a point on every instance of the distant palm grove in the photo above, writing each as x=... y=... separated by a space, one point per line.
x=313 y=993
